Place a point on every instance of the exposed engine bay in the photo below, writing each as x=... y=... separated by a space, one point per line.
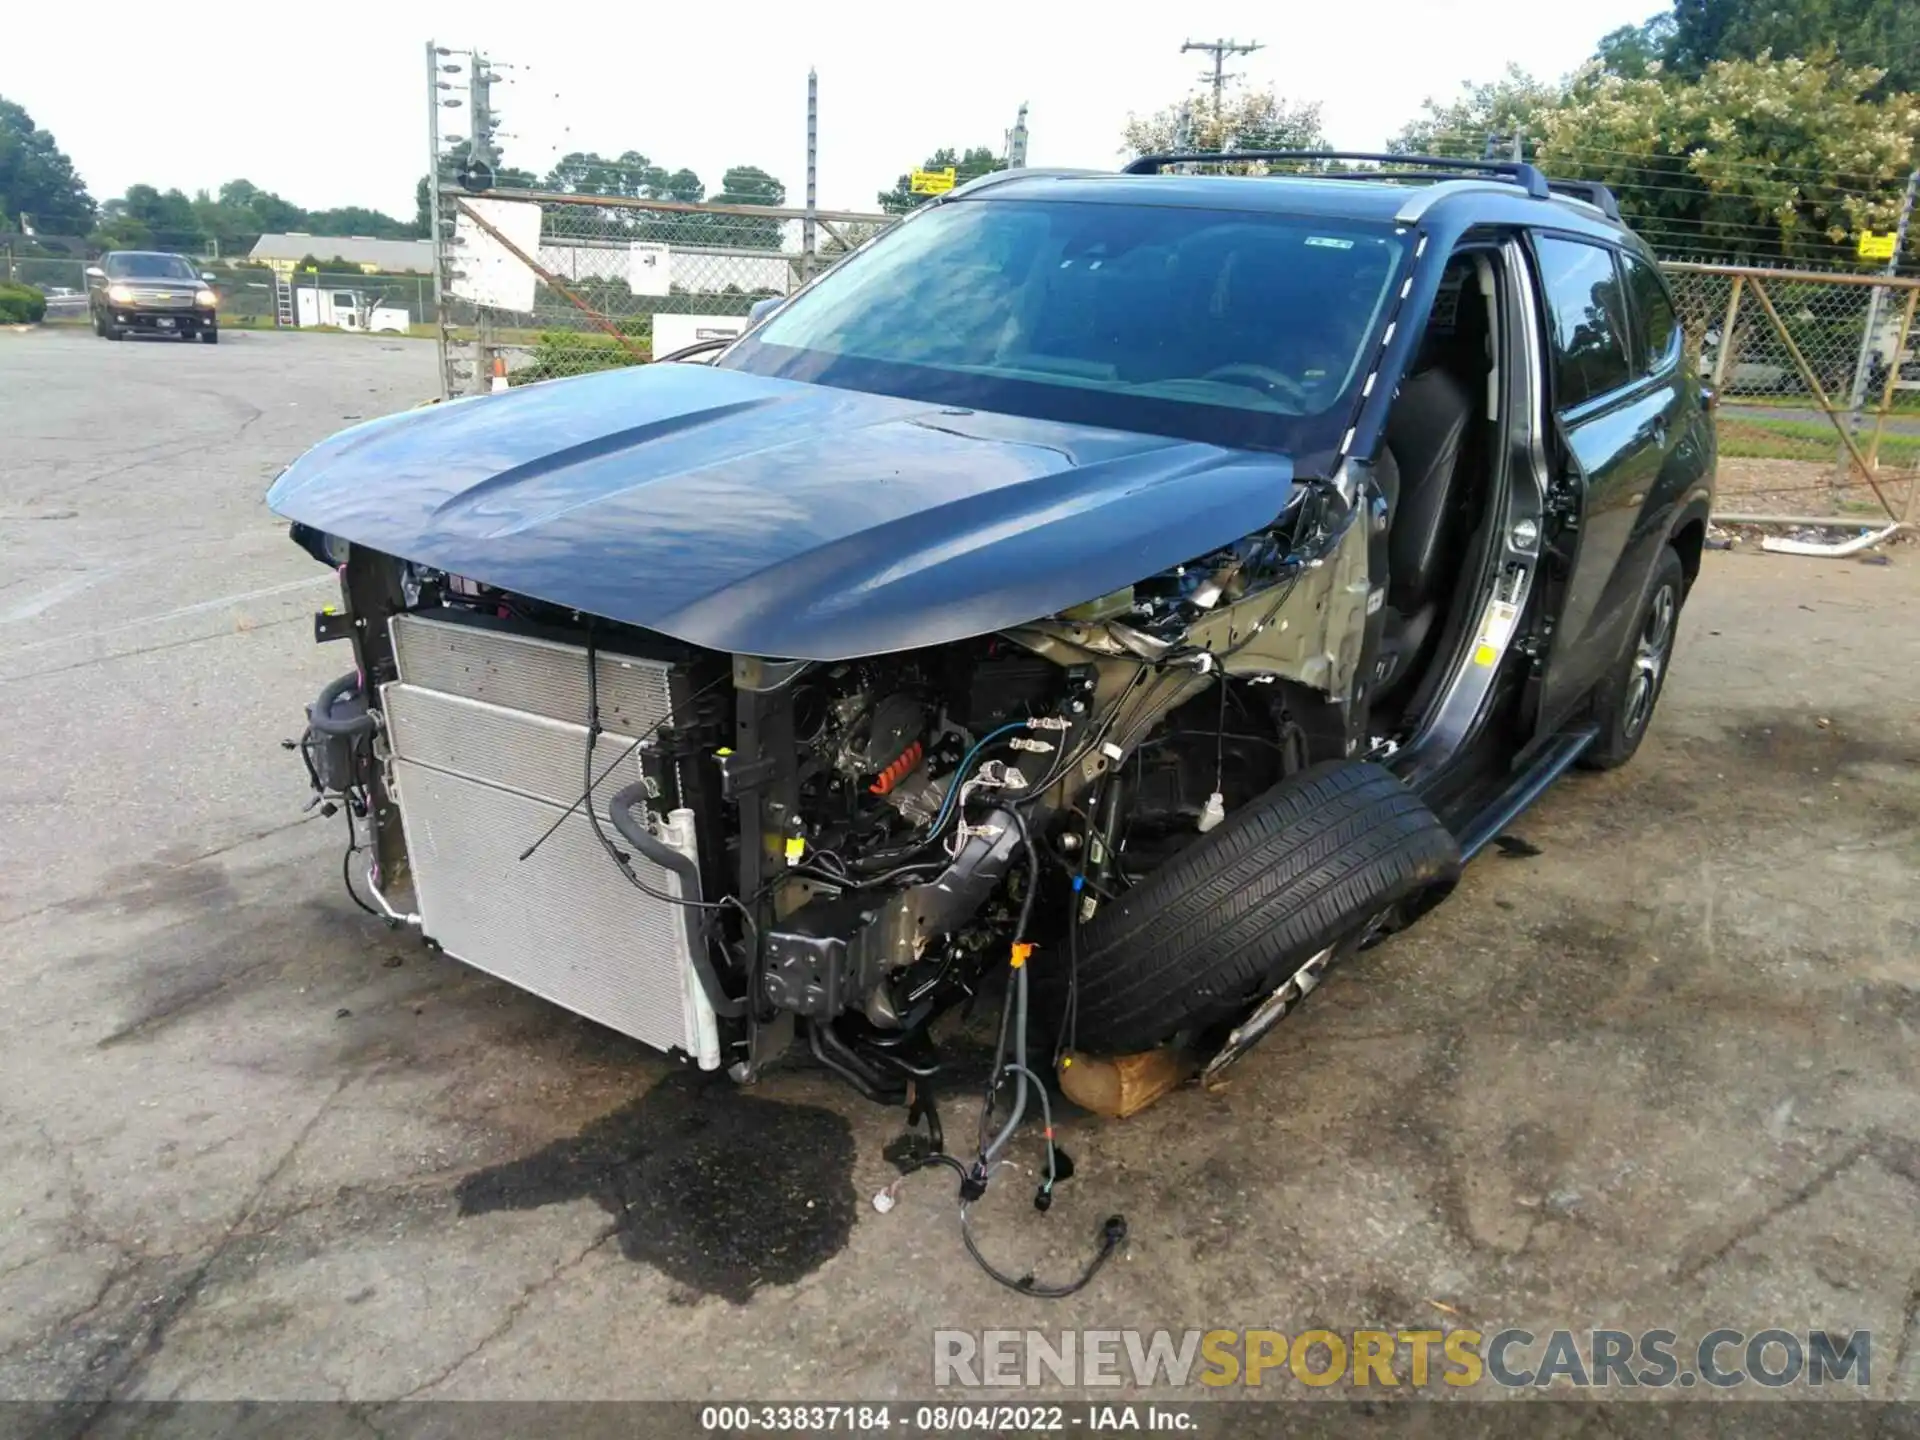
x=830 y=854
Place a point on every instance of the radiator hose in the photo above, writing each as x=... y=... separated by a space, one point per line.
x=351 y=726
x=620 y=809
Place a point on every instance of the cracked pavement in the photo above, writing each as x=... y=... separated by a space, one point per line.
x=255 y=1145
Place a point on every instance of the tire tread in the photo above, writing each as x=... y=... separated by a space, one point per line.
x=1288 y=874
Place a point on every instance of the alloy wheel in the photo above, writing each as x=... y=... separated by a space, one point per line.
x=1650 y=656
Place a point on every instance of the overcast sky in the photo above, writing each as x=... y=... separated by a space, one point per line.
x=327 y=112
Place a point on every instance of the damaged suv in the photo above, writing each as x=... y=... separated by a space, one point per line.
x=1142 y=588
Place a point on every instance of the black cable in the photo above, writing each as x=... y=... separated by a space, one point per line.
x=593 y=816
x=346 y=866
x=1006 y=1006
x=1067 y=762
x=1220 y=737
x=1113 y=1230
x=618 y=760
x=1113 y=1234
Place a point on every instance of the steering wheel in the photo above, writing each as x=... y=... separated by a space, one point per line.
x=1263 y=378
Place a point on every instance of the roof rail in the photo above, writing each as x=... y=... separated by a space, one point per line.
x=1591 y=191
x=1409 y=166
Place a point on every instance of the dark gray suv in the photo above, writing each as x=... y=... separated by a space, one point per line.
x=1133 y=592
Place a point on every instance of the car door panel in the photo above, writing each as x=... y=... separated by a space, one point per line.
x=1617 y=444
x=1630 y=500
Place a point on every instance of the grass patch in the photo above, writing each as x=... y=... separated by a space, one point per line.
x=1748 y=439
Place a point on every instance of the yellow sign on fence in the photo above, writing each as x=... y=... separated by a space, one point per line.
x=1875 y=246
x=931 y=182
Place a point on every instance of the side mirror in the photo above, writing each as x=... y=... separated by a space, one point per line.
x=207 y=275
x=94 y=272
x=763 y=308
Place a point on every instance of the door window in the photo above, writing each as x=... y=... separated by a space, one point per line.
x=1656 y=333
x=1586 y=313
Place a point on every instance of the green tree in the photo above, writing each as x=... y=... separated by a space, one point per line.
x=583 y=172
x=1764 y=159
x=1247 y=119
x=968 y=166
x=750 y=185
x=247 y=207
x=1516 y=103
x=37 y=180
x=1633 y=51
x=356 y=220
x=1882 y=33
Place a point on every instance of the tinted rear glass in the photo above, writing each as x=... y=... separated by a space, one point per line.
x=1655 y=331
x=1587 y=315
x=1238 y=328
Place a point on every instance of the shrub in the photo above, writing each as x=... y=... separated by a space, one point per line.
x=21 y=305
x=577 y=352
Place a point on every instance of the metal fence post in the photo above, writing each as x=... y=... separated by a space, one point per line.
x=433 y=215
x=807 y=226
x=1724 y=359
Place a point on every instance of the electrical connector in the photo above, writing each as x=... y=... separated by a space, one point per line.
x=1213 y=812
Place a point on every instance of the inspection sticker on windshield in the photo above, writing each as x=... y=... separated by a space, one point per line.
x=1495 y=630
x=1328 y=242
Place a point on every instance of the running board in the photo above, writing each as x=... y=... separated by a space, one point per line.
x=1525 y=788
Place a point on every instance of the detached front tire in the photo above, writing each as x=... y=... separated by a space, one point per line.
x=1311 y=863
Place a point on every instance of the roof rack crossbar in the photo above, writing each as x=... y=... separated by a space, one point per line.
x=1411 y=166
x=1591 y=191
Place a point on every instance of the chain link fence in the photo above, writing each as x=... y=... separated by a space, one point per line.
x=604 y=281
x=1818 y=386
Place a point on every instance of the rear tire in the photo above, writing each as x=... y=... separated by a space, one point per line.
x=1623 y=705
x=1312 y=862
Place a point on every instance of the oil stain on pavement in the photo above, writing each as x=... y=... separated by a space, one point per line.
x=718 y=1189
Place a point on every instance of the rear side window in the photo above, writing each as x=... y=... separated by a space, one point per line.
x=1587 y=314
x=1656 y=333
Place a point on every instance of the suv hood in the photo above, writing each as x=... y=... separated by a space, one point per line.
x=773 y=517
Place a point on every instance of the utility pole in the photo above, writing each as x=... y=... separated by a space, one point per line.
x=1017 y=140
x=1220 y=50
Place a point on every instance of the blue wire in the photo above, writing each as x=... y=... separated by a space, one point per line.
x=960 y=775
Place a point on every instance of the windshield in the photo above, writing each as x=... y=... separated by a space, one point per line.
x=1243 y=329
x=150 y=267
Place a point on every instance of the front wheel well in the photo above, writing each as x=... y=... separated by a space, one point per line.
x=1688 y=542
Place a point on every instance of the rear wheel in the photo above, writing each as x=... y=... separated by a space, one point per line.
x=1311 y=863
x=1625 y=701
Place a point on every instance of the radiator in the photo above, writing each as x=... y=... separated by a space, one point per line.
x=488 y=735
